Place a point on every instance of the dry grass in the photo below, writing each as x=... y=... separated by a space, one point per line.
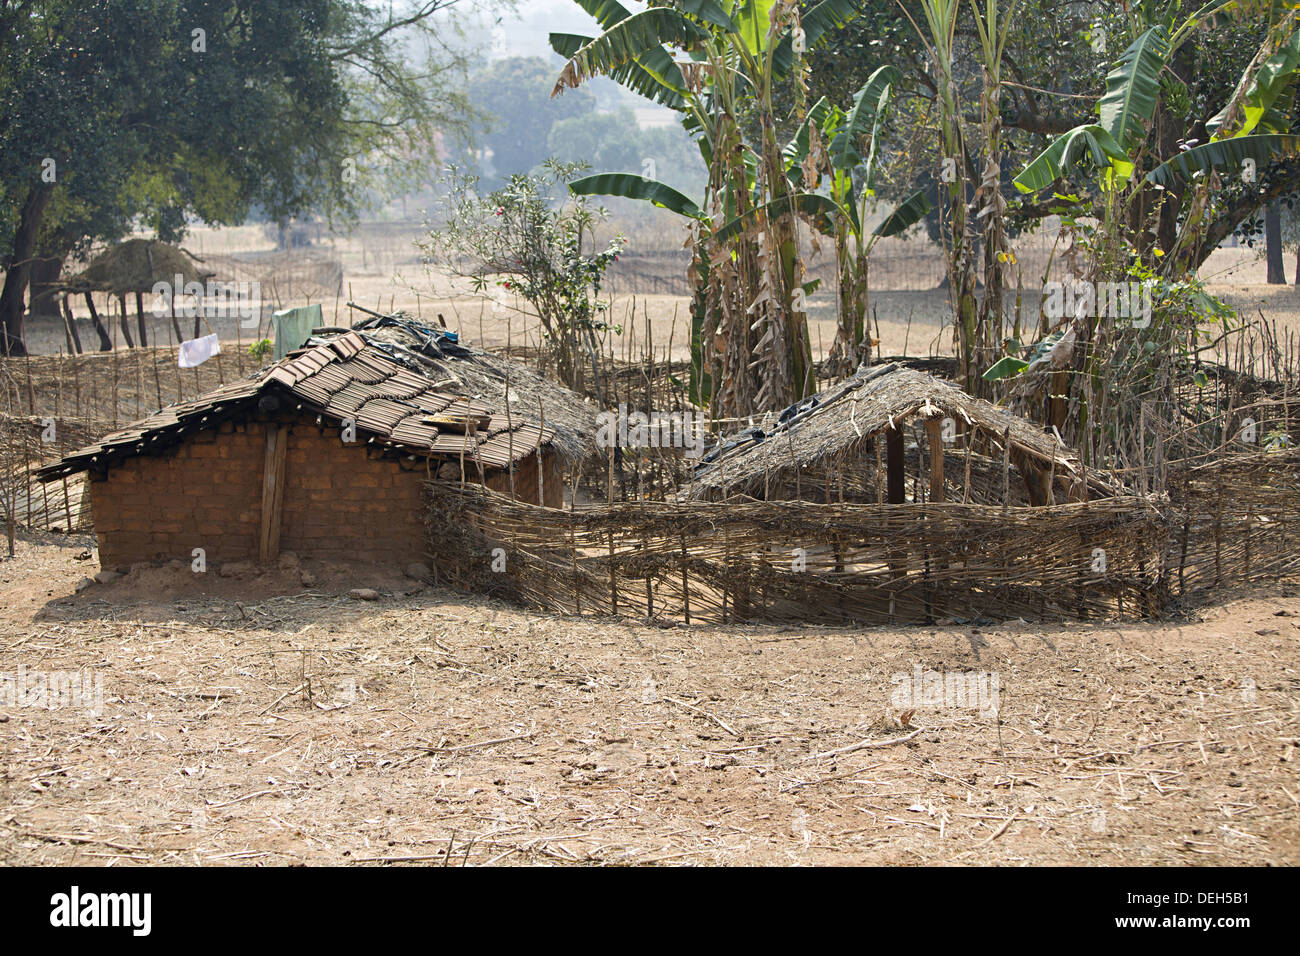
x=484 y=735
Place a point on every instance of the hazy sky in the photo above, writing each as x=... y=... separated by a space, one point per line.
x=524 y=34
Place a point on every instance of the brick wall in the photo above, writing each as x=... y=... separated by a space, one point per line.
x=342 y=506
x=207 y=495
x=338 y=504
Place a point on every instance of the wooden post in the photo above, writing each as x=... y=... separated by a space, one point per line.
x=934 y=430
x=965 y=490
x=105 y=343
x=139 y=318
x=67 y=504
x=1006 y=468
x=896 y=479
x=541 y=458
x=71 y=324
x=613 y=584
x=880 y=468
x=277 y=443
x=123 y=320
x=686 y=586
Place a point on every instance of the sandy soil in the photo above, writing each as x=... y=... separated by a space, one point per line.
x=250 y=719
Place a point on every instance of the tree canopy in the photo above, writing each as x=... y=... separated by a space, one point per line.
x=159 y=112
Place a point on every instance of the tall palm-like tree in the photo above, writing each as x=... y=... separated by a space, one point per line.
x=718 y=64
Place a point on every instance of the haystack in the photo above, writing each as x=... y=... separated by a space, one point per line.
x=131 y=267
x=136 y=265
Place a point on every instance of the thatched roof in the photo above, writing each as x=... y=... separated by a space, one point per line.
x=478 y=374
x=136 y=266
x=346 y=378
x=838 y=424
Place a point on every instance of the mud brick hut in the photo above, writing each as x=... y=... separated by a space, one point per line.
x=891 y=434
x=324 y=454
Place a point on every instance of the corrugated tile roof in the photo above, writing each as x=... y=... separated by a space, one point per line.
x=342 y=379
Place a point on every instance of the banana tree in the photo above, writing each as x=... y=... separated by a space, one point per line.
x=1250 y=129
x=846 y=179
x=748 y=322
x=939 y=38
x=1137 y=193
x=993 y=24
x=850 y=179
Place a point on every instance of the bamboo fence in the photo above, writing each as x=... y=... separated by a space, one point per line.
x=800 y=561
x=1229 y=522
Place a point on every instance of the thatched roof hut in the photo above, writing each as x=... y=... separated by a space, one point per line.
x=135 y=266
x=849 y=443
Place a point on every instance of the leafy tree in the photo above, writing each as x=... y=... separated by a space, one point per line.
x=514 y=96
x=519 y=240
x=158 y=112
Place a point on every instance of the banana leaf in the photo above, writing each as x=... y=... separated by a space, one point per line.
x=1133 y=88
x=1051 y=164
x=631 y=186
x=867 y=104
x=627 y=40
x=907 y=214
x=810 y=204
x=1271 y=81
x=669 y=91
x=1225 y=154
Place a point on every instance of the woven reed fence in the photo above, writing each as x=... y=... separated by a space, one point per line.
x=805 y=562
x=27 y=443
x=1227 y=521
x=1234 y=520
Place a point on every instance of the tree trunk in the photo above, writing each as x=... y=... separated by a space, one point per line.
x=105 y=343
x=126 y=323
x=74 y=337
x=1273 y=244
x=139 y=317
x=19 y=270
x=44 y=274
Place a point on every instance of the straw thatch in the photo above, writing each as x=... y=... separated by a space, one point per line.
x=136 y=265
x=834 y=431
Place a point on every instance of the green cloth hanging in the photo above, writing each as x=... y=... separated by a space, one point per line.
x=293 y=327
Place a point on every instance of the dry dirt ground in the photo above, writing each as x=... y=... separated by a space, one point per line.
x=253 y=720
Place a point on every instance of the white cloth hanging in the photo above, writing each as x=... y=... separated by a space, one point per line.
x=194 y=352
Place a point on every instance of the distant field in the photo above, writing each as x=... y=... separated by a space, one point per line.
x=379 y=267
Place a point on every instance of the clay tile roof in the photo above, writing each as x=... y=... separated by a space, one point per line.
x=342 y=379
